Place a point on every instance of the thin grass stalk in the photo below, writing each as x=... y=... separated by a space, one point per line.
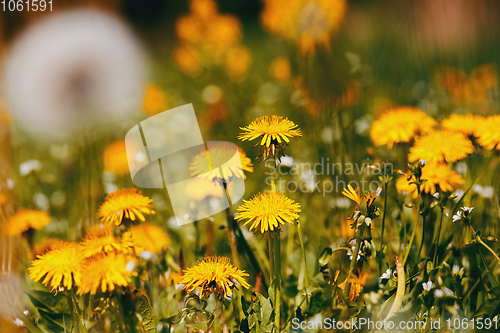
x=277 y=280
x=302 y=247
x=434 y=261
x=383 y=223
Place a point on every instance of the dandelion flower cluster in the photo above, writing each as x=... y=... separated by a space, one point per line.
x=125 y=203
x=61 y=266
x=400 y=124
x=269 y=210
x=441 y=146
x=25 y=220
x=214 y=275
x=103 y=241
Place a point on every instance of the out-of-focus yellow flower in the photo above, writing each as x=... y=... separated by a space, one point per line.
x=221 y=153
x=238 y=60
x=106 y=272
x=441 y=146
x=188 y=59
x=202 y=188
x=155 y=100
x=352 y=194
x=269 y=210
x=435 y=175
x=472 y=90
x=214 y=275
x=466 y=124
x=125 y=203
x=280 y=69
x=148 y=237
x=488 y=133
x=59 y=267
x=207 y=30
x=400 y=124
x=306 y=21
x=25 y=220
x=115 y=158
x=103 y=241
x=357 y=283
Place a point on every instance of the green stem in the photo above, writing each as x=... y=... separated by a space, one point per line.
x=354 y=262
x=301 y=239
x=277 y=280
x=437 y=238
x=423 y=234
x=383 y=225
x=480 y=241
x=77 y=315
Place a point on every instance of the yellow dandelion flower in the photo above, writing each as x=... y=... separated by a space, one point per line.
x=357 y=283
x=103 y=241
x=309 y=23
x=213 y=275
x=148 y=237
x=466 y=124
x=269 y=209
x=270 y=129
x=106 y=272
x=221 y=33
x=25 y=220
x=400 y=124
x=221 y=153
x=61 y=266
x=352 y=194
x=238 y=60
x=435 y=175
x=280 y=69
x=441 y=146
x=115 y=158
x=125 y=203
x=155 y=100
x=488 y=133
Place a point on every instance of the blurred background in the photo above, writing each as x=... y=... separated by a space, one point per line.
x=77 y=78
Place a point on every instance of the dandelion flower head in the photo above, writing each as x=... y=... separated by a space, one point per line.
x=441 y=146
x=25 y=220
x=125 y=203
x=61 y=266
x=269 y=210
x=214 y=275
x=400 y=124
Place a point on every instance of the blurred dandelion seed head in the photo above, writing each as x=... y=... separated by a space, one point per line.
x=73 y=71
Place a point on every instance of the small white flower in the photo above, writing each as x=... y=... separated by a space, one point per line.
x=443 y=292
x=435 y=195
x=455 y=269
x=468 y=209
x=428 y=285
x=387 y=274
x=457 y=216
x=350 y=252
x=130 y=266
x=146 y=255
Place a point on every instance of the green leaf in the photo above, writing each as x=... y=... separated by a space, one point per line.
x=55 y=322
x=266 y=311
x=146 y=319
x=324 y=257
x=200 y=325
x=49 y=302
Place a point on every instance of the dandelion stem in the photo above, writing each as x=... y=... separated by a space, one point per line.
x=437 y=237
x=277 y=281
x=301 y=239
x=354 y=261
x=76 y=313
x=480 y=241
x=423 y=234
x=383 y=224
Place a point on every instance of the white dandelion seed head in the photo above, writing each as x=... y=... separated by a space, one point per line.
x=73 y=72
